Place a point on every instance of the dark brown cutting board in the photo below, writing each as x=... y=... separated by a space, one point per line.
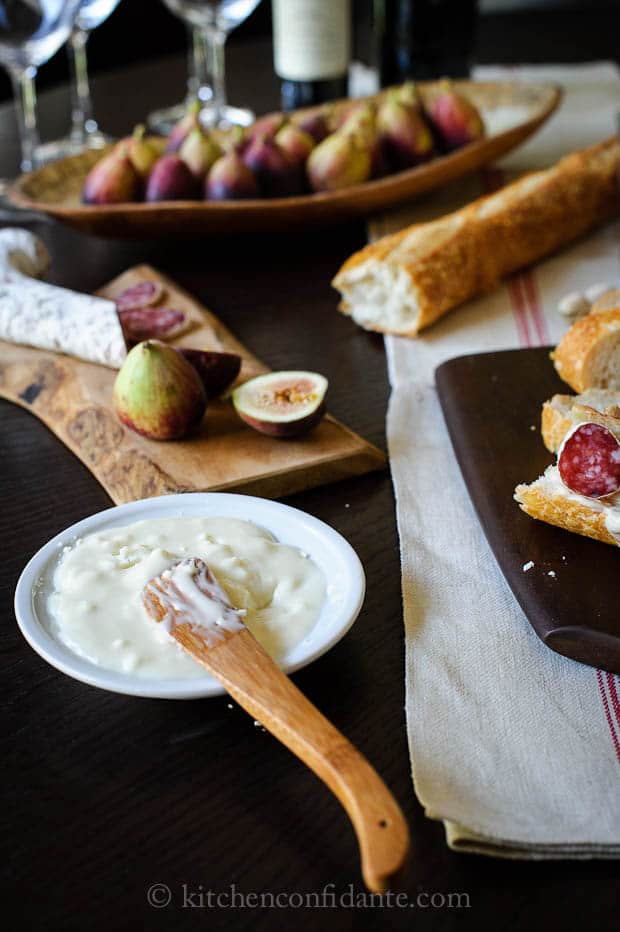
x=74 y=399
x=490 y=402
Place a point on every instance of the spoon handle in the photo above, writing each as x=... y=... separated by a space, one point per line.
x=257 y=683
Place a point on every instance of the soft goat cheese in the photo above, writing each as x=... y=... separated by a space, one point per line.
x=96 y=603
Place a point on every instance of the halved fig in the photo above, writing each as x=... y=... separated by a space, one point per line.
x=282 y=404
x=217 y=370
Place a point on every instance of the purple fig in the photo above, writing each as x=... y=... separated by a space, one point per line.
x=295 y=142
x=282 y=404
x=143 y=151
x=113 y=180
x=199 y=152
x=190 y=121
x=158 y=393
x=231 y=180
x=405 y=135
x=314 y=122
x=267 y=125
x=276 y=172
x=217 y=370
x=455 y=119
x=339 y=161
x=171 y=180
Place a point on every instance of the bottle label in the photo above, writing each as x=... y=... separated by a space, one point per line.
x=311 y=39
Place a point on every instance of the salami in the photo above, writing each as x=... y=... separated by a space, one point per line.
x=151 y=323
x=589 y=462
x=144 y=294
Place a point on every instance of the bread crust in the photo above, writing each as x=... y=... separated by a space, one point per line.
x=563 y=512
x=572 y=354
x=468 y=252
x=554 y=423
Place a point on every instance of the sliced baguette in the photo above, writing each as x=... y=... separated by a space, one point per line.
x=561 y=413
x=588 y=355
x=607 y=301
x=407 y=280
x=548 y=500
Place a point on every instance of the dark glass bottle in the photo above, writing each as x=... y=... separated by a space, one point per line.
x=424 y=39
x=312 y=43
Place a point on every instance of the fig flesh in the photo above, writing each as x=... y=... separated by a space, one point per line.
x=217 y=370
x=158 y=393
x=282 y=404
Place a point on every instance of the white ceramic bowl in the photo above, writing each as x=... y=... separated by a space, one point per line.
x=329 y=550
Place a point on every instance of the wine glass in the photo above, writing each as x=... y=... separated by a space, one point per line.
x=214 y=19
x=163 y=120
x=84 y=133
x=31 y=31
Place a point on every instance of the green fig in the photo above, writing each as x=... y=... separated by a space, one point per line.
x=295 y=142
x=190 y=121
x=340 y=161
x=199 y=152
x=405 y=135
x=158 y=393
x=143 y=151
x=113 y=179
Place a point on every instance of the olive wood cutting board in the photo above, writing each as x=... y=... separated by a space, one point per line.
x=492 y=404
x=74 y=399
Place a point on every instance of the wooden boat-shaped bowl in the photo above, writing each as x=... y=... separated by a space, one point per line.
x=511 y=111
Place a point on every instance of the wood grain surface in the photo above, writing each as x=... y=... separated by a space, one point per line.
x=74 y=399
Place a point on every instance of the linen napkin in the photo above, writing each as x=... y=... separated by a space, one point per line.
x=515 y=748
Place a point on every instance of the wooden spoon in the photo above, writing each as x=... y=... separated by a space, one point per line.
x=188 y=599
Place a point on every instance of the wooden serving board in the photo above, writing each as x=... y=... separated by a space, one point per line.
x=491 y=402
x=74 y=399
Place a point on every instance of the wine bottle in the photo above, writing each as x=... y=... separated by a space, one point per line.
x=312 y=48
x=424 y=39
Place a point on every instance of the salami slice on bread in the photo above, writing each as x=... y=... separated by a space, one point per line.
x=407 y=280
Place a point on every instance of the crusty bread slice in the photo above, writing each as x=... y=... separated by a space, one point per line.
x=407 y=280
x=559 y=416
x=588 y=355
x=548 y=500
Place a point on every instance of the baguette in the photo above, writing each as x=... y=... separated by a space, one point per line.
x=561 y=413
x=407 y=280
x=588 y=355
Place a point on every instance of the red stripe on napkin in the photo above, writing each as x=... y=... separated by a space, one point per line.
x=608 y=715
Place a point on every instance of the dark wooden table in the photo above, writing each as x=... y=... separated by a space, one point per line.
x=104 y=795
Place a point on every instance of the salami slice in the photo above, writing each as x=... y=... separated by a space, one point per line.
x=144 y=294
x=589 y=462
x=151 y=323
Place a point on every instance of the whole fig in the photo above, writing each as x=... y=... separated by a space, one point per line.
x=230 y=180
x=113 y=180
x=295 y=142
x=405 y=135
x=455 y=118
x=276 y=172
x=315 y=122
x=158 y=393
x=267 y=125
x=338 y=162
x=199 y=152
x=171 y=180
x=188 y=122
x=362 y=124
x=143 y=151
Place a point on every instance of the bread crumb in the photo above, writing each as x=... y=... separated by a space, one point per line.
x=528 y=566
x=551 y=573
